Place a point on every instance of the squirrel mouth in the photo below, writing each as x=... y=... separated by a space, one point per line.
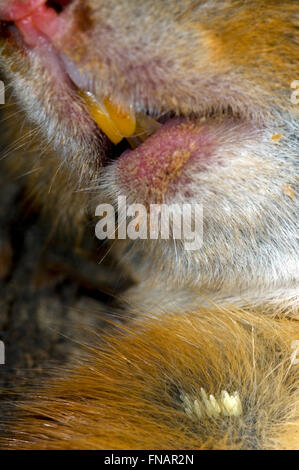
x=37 y=22
x=151 y=151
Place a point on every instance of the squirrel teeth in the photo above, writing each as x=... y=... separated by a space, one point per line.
x=114 y=121
x=118 y=123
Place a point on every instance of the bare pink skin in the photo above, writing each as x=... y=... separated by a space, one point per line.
x=178 y=142
x=13 y=10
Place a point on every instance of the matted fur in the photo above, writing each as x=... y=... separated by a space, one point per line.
x=130 y=394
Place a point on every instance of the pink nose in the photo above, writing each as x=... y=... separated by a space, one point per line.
x=13 y=10
x=34 y=19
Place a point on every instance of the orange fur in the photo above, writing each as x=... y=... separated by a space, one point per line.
x=129 y=394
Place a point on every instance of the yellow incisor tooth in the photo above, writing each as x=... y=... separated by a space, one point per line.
x=124 y=119
x=115 y=122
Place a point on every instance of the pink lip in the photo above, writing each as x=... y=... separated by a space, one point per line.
x=34 y=20
x=16 y=10
x=39 y=25
x=177 y=142
x=167 y=160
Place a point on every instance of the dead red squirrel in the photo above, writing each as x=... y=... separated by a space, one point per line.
x=210 y=361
